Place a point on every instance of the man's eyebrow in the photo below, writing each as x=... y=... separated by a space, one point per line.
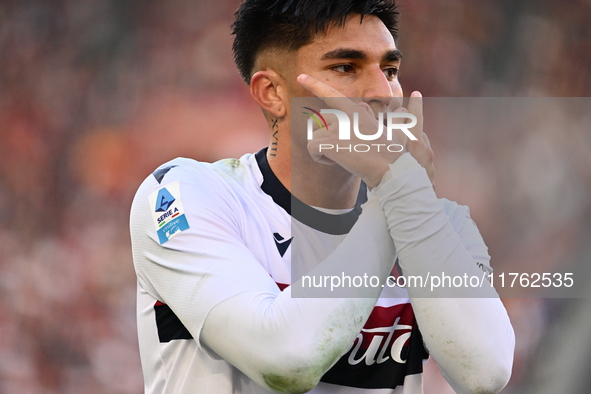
x=344 y=53
x=393 y=56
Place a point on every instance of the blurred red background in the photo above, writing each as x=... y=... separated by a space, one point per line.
x=94 y=95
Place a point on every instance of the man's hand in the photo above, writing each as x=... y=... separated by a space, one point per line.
x=370 y=165
x=421 y=148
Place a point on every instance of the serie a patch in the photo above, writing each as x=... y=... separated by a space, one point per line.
x=168 y=212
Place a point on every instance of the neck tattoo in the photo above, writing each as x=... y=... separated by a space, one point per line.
x=275 y=136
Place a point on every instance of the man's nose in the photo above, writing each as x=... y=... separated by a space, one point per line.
x=377 y=90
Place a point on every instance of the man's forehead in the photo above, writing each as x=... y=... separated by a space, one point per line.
x=368 y=35
x=357 y=38
x=367 y=32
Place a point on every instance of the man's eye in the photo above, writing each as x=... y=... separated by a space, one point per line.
x=343 y=68
x=391 y=72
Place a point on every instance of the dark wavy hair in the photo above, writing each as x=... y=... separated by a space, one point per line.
x=291 y=24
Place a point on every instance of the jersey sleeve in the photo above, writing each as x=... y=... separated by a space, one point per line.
x=465 y=327
x=466 y=228
x=187 y=248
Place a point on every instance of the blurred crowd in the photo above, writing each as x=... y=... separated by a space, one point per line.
x=95 y=94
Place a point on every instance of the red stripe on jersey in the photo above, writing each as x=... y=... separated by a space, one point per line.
x=388 y=348
x=395 y=272
x=158 y=303
x=382 y=319
x=281 y=286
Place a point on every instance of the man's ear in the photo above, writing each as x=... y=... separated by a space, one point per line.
x=267 y=88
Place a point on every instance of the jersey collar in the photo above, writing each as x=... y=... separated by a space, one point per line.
x=321 y=221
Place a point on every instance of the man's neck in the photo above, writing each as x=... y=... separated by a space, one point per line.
x=315 y=184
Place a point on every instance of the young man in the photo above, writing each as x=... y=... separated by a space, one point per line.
x=213 y=243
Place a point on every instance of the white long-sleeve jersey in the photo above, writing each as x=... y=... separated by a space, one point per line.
x=213 y=246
